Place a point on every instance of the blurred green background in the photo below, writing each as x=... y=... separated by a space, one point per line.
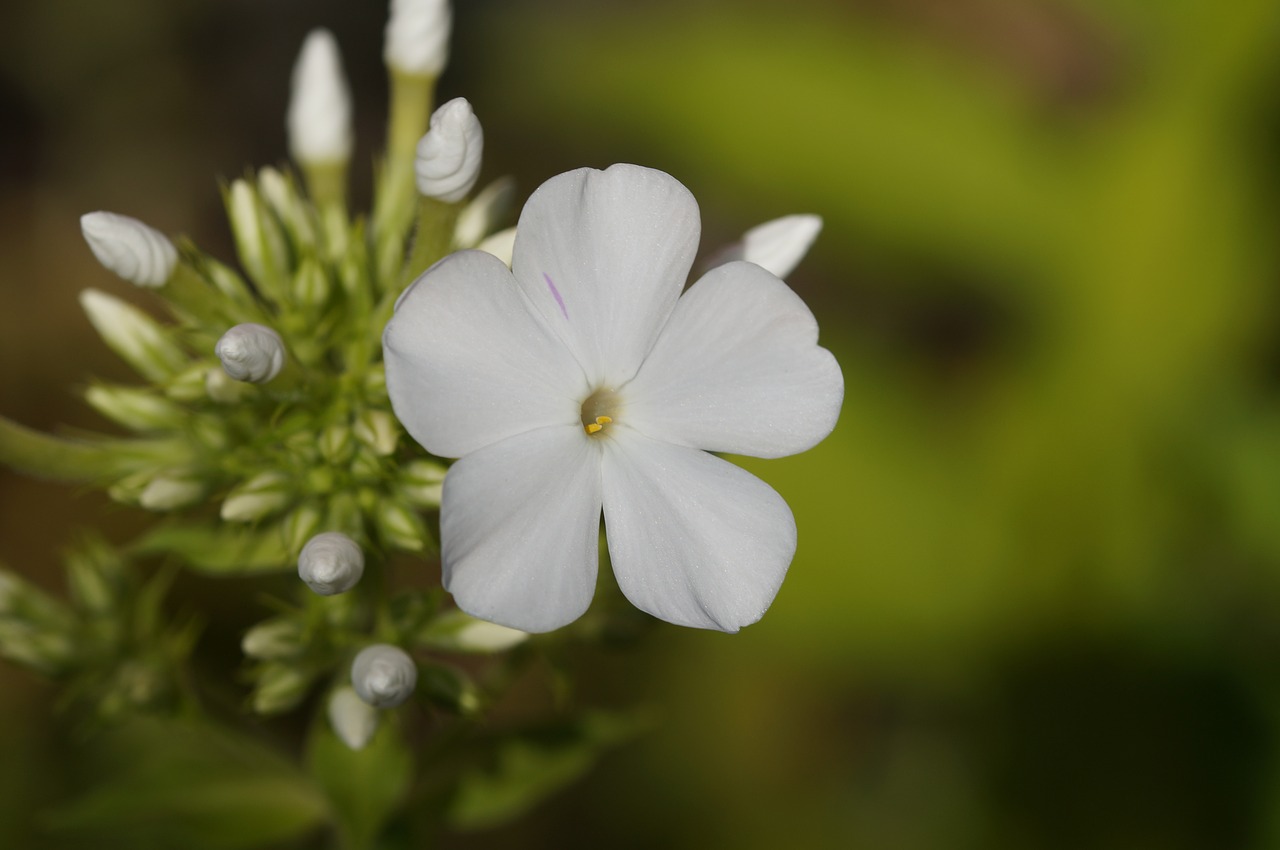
x=1035 y=601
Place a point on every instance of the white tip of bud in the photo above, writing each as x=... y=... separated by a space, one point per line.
x=383 y=675
x=448 y=161
x=251 y=352
x=478 y=217
x=331 y=563
x=778 y=246
x=353 y=720
x=319 y=119
x=130 y=249
x=417 y=39
x=501 y=244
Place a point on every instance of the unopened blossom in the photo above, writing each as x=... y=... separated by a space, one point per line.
x=383 y=675
x=251 y=352
x=353 y=720
x=777 y=246
x=130 y=249
x=331 y=563
x=448 y=157
x=417 y=36
x=319 y=118
x=580 y=380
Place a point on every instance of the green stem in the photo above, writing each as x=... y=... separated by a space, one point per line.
x=434 y=236
x=43 y=456
x=411 y=102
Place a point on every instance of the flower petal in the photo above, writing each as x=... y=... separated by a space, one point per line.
x=468 y=363
x=777 y=246
x=520 y=529
x=738 y=369
x=694 y=540
x=603 y=256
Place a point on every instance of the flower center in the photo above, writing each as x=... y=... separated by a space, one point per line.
x=598 y=410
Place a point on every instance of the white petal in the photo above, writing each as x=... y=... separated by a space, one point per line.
x=468 y=362
x=777 y=246
x=694 y=540
x=603 y=255
x=519 y=529
x=738 y=369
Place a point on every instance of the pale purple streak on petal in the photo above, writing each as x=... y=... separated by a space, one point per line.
x=555 y=293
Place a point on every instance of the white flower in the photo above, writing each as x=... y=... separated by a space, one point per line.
x=383 y=675
x=353 y=720
x=251 y=352
x=448 y=160
x=778 y=246
x=319 y=118
x=417 y=37
x=130 y=249
x=331 y=563
x=581 y=380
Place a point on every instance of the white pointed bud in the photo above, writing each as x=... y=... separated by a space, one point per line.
x=130 y=249
x=272 y=640
x=448 y=160
x=170 y=492
x=422 y=483
x=378 y=430
x=400 y=527
x=478 y=217
x=139 y=340
x=417 y=37
x=319 y=118
x=353 y=720
x=501 y=244
x=331 y=563
x=281 y=195
x=251 y=352
x=383 y=675
x=134 y=407
x=457 y=631
x=258 y=497
x=777 y=246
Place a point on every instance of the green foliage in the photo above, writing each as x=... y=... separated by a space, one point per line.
x=365 y=787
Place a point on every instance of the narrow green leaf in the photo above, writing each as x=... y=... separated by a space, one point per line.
x=45 y=456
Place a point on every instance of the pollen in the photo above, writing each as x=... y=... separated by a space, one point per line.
x=598 y=425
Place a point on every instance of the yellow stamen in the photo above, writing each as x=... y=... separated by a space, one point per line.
x=603 y=420
x=598 y=426
x=593 y=428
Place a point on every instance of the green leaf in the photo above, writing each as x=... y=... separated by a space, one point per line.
x=221 y=549
x=183 y=783
x=364 y=786
x=525 y=767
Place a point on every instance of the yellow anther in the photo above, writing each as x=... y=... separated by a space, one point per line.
x=594 y=427
x=603 y=420
x=598 y=426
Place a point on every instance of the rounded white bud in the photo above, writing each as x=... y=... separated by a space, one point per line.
x=383 y=675
x=331 y=563
x=778 y=246
x=251 y=352
x=417 y=37
x=130 y=249
x=448 y=161
x=319 y=118
x=353 y=720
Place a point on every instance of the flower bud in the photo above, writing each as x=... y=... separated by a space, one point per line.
x=417 y=37
x=353 y=720
x=135 y=408
x=223 y=388
x=259 y=241
x=280 y=687
x=272 y=640
x=383 y=675
x=501 y=244
x=139 y=340
x=300 y=526
x=170 y=492
x=377 y=429
x=448 y=160
x=258 y=497
x=319 y=119
x=422 y=482
x=488 y=207
x=251 y=352
x=331 y=563
x=400 y=527
x=777 y=246
x=281 y=195
x=456 y=631
x=130 y=249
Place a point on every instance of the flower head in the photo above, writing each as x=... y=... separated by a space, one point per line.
x=417 y=37
x=125 y=246
x=319 y=118
x=581 y=381
x=448 y=161
x=383 y=675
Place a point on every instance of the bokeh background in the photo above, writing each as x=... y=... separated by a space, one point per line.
x=1036 y=602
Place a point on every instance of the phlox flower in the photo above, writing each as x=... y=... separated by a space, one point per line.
x=582 y=381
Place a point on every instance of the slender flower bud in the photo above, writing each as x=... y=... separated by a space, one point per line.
x=353 y=720
x=280 y=687
x=456 y=631
x=383 y=675
x=478 y=217
x=319 y=118
x=135 y=407
x=331 y=563
x=378 y=430
x=777 y=246
x=501 y=244
x=400 y=527
x=130 y=249
x=170 y=492
x=417 y=38
x=258 y=497
x=139 y=340
x=251 y=352
x=422 y=483
x=448 y=160
x=273 y=640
